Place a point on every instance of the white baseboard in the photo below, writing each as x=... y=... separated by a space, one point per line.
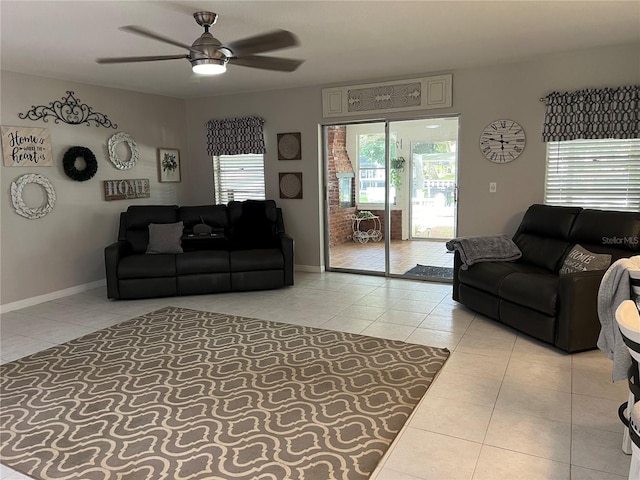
x=47 y=297
x=309 y=268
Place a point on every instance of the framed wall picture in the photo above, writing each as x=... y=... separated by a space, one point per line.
x=289 y=146
x=169 y=165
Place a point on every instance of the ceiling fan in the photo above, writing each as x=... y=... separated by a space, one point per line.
x=209 y=57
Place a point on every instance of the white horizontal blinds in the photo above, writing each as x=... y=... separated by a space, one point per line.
x=602 y=174
x=238 y=177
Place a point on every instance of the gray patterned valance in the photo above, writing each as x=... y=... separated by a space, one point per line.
x=592 y=114
x=235 y=136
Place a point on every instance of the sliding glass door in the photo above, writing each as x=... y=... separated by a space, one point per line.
x=356 y=181
x=391 y=196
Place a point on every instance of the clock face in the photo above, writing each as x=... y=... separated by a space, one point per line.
x=502 y=141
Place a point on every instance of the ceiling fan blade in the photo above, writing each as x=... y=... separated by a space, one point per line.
x=140 y=59
x=156 y=36
x=262 y=43
x=267 y=63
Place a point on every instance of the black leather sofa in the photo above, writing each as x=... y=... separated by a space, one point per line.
x=248 y=249
x=529 y=294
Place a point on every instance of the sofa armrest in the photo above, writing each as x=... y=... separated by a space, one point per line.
x=457 y=263
x=578 y=323
x=287 y=247
x=112 y=255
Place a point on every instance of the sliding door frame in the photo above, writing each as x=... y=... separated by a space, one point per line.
x=387 y=210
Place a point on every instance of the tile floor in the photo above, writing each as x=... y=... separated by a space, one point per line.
x=504 y=407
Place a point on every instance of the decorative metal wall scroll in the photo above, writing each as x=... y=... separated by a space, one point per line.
x=18 y=203
x=126 y=189
x=68 y=110
x=113 y=154
x=401 y=95
x=26 y=147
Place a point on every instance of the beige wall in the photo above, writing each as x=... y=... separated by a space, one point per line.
x=480 y=95
x=298 y=110
x=65 y=249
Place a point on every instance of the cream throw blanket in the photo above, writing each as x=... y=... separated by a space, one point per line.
x=614 y=289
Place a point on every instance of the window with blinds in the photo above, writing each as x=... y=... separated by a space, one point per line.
x=238 y=177
x=602 y=174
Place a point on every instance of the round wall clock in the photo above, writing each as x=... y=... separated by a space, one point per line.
x=502 y=141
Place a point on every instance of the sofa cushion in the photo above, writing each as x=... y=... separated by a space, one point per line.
x=146 y=266
x=256 y=259
x=138 y=219
x=543 y=235
x=213 y=215
x=203 y=261
x=580 y=259
x=549 y=221
x=253 y=224
x=538 y=291
x=165 y=238
x=544 y=252
x=486 y=276
x=620 y=230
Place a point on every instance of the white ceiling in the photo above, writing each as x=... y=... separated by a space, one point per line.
x=341 y=41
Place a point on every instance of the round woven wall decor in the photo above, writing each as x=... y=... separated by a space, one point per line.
x=18 y=203
x=113 y=155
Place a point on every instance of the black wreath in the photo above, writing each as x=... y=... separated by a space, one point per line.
x=69 y=164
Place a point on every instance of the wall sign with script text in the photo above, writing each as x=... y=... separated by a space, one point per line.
x=126 y=189
x=26 y=147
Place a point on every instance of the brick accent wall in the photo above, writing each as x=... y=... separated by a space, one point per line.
x=338 y=162
x=396 y=223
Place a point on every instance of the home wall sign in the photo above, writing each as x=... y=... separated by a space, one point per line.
x=68 y=110
x=126 y=189
x=114 y=141
x=422 y=93
x=18 y=203
x=26 y=147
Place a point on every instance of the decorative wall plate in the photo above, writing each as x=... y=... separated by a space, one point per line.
x=289 y=146
x=113 y=155
x=291 y=185
x=18 y=203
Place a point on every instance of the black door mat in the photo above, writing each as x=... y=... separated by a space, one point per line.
x=431 y=272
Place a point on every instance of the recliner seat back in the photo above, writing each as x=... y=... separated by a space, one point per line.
x=543 y=235
x=134 y=228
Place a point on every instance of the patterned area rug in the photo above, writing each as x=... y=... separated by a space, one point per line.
x=430 y=272
x=183 y=394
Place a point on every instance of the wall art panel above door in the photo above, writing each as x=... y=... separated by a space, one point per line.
x=422 y=93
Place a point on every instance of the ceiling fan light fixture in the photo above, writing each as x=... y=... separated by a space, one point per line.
x=209 y=66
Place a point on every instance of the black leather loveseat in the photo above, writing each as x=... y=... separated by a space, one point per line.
x=530 y=294
x=247 y=249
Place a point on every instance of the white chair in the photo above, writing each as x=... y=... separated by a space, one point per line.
x=628 y=320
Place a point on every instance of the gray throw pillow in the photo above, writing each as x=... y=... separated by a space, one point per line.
x=580 y=260
x=165 y=238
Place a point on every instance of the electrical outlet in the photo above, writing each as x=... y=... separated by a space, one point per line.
x=493 y=187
